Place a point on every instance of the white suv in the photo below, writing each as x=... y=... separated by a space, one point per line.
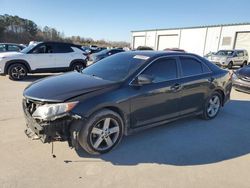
x=42 y=57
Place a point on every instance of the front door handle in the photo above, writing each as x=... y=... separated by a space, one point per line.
x=175 y=87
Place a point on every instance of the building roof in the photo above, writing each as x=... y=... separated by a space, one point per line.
x=175 y=28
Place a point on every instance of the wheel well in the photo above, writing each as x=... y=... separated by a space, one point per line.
x=16 y=62
x=78 y=61
x=222 y=95
x=119 y=112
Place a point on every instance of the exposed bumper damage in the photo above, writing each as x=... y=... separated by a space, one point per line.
x=60 y=129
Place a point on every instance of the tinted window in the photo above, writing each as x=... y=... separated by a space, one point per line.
x=161 y=70
x=115 y=68
x=61 y=48
x=190 y=66
x=225 y=53
x=240 y=53
x=44 y=49
x=13 y=48
x=2 y=48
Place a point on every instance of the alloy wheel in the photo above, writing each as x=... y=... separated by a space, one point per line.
x=104 y=134
x=78 y=68
x=213 y=106
x=18 y=72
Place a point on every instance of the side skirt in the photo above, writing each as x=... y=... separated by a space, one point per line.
x=135 y=130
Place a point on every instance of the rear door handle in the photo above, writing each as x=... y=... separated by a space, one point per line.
x=176 y=87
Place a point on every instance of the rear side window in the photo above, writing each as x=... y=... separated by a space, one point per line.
x=161 y=70
x=2 y=47
x=191 y=66
x=61 y=48
x=13 y=48
x=240 y=53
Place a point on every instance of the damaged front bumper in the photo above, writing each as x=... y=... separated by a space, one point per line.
x=49 y=131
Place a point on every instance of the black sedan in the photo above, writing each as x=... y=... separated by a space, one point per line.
x=122 y=94
x=241 y=79
x=93 y=58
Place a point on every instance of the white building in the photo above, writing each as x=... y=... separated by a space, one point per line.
x=199 y=40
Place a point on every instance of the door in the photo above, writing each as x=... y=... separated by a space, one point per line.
x=196 y=81
x=168 y=41
x=42 y=57
x=64 y=54
x=139 y=41
x=243 y=41
x=158 y=100
x=239 y=57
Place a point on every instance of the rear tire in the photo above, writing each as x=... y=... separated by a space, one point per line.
x=102 y=132
x=230 y=65
x=17 y=71
x=78 y=66
x=212 y=106
x=244 y=64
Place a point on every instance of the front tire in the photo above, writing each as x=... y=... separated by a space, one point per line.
x=102 y=132
x=212 y=106
x=17 y=72
x=244 y=64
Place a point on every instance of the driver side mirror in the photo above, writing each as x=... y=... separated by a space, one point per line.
x=143 y=80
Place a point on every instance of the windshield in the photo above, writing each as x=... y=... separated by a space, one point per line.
x=28 y=48
x=116 y=68
x=225 y=52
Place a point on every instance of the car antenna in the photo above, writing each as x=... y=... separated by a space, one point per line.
x=52 y=150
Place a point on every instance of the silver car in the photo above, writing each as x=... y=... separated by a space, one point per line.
x=230 y=58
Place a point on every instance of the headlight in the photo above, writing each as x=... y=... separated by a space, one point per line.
x=53 y=111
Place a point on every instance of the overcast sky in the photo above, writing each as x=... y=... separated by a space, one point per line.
x=114 y=19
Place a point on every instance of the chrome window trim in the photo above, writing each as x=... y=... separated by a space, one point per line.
x=167 y=56
x=179 y=76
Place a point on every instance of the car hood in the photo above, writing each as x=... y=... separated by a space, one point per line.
x=64 y=87
x=10 y=54
x=245 y=71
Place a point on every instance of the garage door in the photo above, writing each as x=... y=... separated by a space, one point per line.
x=168 y=41
x=139 y=41
x=243 y=41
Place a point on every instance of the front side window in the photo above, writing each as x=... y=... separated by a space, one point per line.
x=225 y=53
x=161 y=70
x=191 y=66
x=44 y=49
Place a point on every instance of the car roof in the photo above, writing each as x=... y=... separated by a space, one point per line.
x=11 y=44
x=151 y=53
